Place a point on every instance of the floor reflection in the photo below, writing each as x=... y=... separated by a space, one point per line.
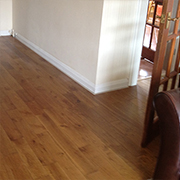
x=145 y=70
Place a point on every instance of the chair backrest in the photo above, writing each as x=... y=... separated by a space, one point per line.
x=167 y=105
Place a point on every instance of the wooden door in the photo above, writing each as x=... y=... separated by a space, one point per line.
x=166 y=64
x=152 y=29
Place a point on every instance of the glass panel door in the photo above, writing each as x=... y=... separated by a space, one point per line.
x=166 y=70
x=152 y=29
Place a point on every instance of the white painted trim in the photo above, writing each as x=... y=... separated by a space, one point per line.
x=84 y=82
x=5 y=33
x=58 y=64
x=111 y=86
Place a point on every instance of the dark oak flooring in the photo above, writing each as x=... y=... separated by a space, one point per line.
x=53 y=129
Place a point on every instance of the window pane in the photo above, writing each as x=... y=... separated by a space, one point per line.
x=150 y=13
x=173 y=15
x=175 y=54
x=154 y=39
x=147 y=36
x=166 y=58
x=158 y=13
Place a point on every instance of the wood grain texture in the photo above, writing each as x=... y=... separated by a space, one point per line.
x=52 y=128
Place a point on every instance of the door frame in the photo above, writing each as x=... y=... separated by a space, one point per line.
x=168 y=79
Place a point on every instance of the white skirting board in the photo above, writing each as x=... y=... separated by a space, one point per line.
x=5 y=33
x=111 y=86
x=81 y=80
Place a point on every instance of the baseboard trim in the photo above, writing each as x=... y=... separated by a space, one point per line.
x=81 y=80
x=58 y=64
x=111 y=86
x=5 y=33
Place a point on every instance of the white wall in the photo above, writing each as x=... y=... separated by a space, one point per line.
x=5 y=17
x=121 y=39
x=138 y=41
x=67 y=29
x=95 y=41
x=117 y=35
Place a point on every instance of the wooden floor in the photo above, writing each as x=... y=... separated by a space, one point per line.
x=145 y=69
x=53 y=129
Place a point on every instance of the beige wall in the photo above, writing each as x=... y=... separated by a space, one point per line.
x=98 y=39
x=5 y=15
x=121 y=40
x=117 y=36
x=67 y=29
x=138 y=41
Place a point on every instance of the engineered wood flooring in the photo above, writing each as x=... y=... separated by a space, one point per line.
x=145 y=69
x=53 y=129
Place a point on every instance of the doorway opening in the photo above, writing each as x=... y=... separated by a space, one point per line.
x=150 y=38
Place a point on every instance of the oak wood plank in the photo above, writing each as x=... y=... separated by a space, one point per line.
x=57 y=130
x=68 y=146
x=31 y=161
x=18 y=168
x=5 y=171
